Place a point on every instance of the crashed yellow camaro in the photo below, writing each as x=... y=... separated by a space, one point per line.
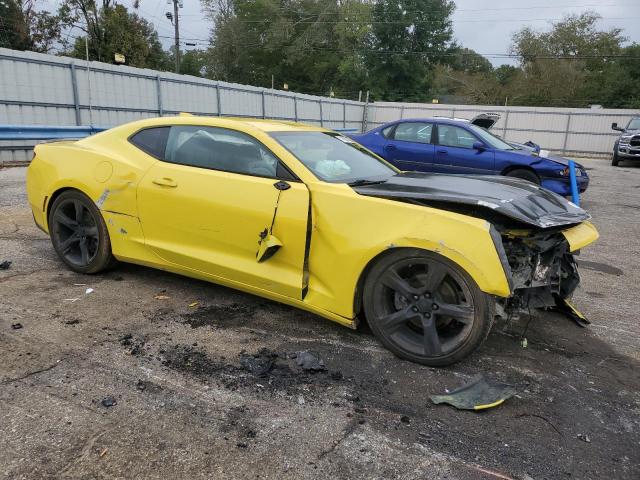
x=307 y=217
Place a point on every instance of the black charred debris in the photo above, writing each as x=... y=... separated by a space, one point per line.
x=262 y=363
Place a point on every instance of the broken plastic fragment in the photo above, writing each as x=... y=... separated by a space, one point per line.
x=109 y=402
x=269 y=245
x=478 y=394
x=310 y=362
x=565 y=307
x=88 y=291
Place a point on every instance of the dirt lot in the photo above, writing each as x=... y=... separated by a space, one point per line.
x=186 y=406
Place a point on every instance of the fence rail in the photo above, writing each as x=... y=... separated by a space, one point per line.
x=43 y=89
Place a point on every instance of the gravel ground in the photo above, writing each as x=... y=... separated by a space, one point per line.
x=187 y=407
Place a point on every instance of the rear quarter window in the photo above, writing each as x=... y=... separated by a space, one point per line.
x=152 y=141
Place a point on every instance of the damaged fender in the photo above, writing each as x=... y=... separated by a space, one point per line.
x=344 y=239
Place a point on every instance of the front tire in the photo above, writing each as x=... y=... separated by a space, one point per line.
x=79 y=234
x=615 y=159
x=524 y=174
x=426 y=309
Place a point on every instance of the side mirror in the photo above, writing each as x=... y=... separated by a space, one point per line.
x=479 y=146
x=614 y=126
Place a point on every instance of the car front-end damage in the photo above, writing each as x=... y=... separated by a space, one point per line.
x=536 y=233
x=541 y=266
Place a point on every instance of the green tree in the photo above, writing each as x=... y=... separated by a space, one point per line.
x=192 y=62
x=568 y=65
x=24 y=27
x=110 y=29
x=468 y=61
x=314 y=46
x=408 y=38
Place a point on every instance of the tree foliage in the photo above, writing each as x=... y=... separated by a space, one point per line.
x=312 y=45
x=24 y=27
x=408 y=38
x=573 y=64
x=109 y=28
x=396 y=49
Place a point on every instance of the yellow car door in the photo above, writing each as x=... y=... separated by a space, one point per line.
x=217 y=201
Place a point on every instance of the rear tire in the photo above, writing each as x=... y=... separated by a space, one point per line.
x=615 y=159
x=426 y=309
x=524 y=174
x=79 y=234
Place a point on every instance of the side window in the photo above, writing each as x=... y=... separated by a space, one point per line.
x=220 y=149
x=387 y=131
x=414 y=132
x=152 y=141
x=451 y=136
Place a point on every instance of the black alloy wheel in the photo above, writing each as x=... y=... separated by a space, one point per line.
x=79 y=234
x=426 y=309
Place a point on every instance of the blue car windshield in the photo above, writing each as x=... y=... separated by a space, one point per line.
x=335 y=158
x=490 y=139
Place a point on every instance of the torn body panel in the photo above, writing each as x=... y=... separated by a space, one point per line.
x=351 y=231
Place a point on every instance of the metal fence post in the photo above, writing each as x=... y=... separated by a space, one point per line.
x=566 y=134
x=76 y=99
x=506 y=121
x=401 y=111
x=295 y=107
x=218 y=100
x=159 y=93
x=264 y=108
x=321 y=118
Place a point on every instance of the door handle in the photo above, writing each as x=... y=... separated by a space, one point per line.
x=389 y=147
x=443 y=152
x=165 y=182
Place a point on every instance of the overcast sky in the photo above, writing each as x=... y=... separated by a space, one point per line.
x=484 y=26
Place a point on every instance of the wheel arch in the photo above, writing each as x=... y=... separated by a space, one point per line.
x=511 y=168
x=481 y=282
x=52 y=198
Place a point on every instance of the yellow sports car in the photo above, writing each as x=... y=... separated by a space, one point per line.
x=305 y=216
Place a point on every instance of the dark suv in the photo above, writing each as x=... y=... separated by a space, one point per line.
x=627 y=146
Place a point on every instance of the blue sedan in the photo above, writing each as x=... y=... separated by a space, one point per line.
x=457 y=146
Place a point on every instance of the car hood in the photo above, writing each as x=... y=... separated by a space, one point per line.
x=544 y=155
x=514 y=198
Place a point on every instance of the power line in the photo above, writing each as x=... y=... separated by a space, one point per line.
x=413 y=22
x=457 y=10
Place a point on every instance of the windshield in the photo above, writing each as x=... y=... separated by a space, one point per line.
x=634 y=124
x=490 y=139
x=334 y=158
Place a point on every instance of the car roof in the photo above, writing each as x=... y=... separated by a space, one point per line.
x=266 y=125
x=446 y=120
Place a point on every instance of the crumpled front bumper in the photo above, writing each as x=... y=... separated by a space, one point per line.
x=542 y=266
x=561 y=186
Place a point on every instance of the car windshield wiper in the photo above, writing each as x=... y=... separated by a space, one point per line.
x=363 y=181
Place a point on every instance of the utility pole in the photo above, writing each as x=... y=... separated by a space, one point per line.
x=177 y=33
